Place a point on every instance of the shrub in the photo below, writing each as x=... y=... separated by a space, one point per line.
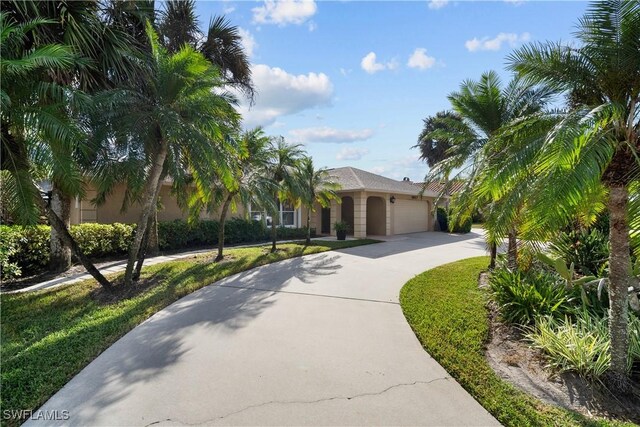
x=30 y=245
x=8 y=270
x=524 y=297
x=465 y=227
x=102 y=240
x=588 y=250
x=26 y=249
x=443 y=219
x=581 y=344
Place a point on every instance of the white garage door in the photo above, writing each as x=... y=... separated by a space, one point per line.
x=410 y=216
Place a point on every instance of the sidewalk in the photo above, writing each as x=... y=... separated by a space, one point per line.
x=119 y=266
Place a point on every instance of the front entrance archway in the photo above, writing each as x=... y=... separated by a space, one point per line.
x=347 y=211
x=376 y=216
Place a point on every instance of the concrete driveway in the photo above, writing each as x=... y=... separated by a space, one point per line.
x=318 y=340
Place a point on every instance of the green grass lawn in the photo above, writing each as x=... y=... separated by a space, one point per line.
x=49 y=336
x=447 y=312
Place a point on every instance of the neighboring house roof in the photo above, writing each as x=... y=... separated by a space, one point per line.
x=437 y=187
x=353 y=179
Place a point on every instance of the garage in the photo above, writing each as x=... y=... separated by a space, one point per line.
x=410 y=216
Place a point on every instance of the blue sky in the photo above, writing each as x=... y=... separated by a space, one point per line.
x=352 y=81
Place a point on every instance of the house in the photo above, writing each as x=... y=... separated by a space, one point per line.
x=371 y=204
x=374 y=205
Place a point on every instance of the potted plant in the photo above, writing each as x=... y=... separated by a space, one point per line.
x=341 y=228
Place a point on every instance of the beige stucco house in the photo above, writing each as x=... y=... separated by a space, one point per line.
x=371 y=204
x=374 y=205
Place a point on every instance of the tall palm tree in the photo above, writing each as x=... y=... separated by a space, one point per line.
x=486 y=108
x=110 y=55
x=434 y=146
x=282 y=171
x=222 y=43
x=37 y=117
x=598 y=141
x=177 y=121
x=317 y=186
x=177 y=26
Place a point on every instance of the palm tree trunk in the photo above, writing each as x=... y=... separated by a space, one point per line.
x=274 y=235
x=512 y=251
x=493 y=252
x=148 y=206
x=153 y=244
x=143 y=250
x=619 y=279
x=60 y=252
x=223 y=218
x=308 y=225
x=150 y=234
x=68 y=240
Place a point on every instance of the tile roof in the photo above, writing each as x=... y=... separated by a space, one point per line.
x=353 y=179
x=437 y=187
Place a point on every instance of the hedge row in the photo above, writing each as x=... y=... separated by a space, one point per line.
x=442 y=217
x=25 y=250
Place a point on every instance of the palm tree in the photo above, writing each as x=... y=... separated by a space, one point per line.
x=222 y=44
x=177 y=26
x=37 y=117
x=433 y=145
x=598 y=140
x=486 y=109
x=282 y=171
x=109 y=55
x=250 y=184
x=317 y=186
x=177 y=121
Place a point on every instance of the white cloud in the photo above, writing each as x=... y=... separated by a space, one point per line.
x=327 y=134
x=345 y=72
x=312 y=26
x=370 y=65
x=280 y=93
x=352 y=153
x=438 y=4
x=486 y=43
x=398 y=168
x=420 y=59
x=283 y=12
x=515 y=2
x=248 y=42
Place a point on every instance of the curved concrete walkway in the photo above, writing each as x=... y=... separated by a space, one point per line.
x=318 y=340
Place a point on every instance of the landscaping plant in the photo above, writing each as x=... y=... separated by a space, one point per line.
x=581 y=343
x=524 y=297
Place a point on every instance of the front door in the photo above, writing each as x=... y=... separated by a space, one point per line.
x=325 y=223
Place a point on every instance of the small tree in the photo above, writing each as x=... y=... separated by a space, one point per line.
x=316 y=186
x=282 y=171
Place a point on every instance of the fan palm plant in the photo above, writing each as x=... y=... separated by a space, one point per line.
x=282 y=171
x=598 y=140
x=176 y=124
x=317 y=186
x=37 y=123
x=486 y=109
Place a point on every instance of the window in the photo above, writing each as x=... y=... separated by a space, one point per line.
x=287 y=215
